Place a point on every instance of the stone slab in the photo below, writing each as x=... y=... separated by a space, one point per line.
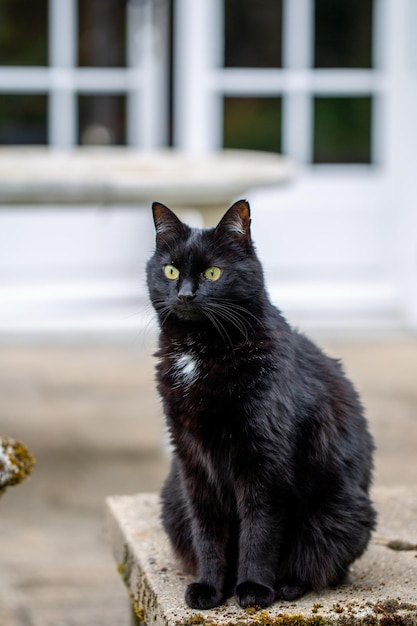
x=120 y=175
x=382 y=588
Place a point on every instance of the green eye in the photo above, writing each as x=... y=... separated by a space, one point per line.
x=171 y=271
x=212 y=273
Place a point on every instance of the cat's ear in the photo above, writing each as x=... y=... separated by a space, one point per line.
x=236 y=220
x=166 y=222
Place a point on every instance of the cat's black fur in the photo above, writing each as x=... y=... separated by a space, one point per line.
x=268 y=491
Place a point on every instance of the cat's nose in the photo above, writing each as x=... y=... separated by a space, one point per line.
x=186 y=292
x=186 y=298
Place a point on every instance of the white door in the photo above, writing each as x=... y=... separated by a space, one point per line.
x=340 y=97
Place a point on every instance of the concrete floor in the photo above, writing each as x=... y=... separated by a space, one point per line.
x=92 y=418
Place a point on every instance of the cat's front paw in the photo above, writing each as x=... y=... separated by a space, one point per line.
x=202 y=596
x=291 y=591
x=254 y=594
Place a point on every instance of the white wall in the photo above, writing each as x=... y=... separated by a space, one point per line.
x=73 y=268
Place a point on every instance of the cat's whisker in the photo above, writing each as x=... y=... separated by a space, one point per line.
x=229 y=314
x=235 y=315
x=216 y=311
x=245 y=312
x=164 y=312
x=219 y=327
x=234 y=321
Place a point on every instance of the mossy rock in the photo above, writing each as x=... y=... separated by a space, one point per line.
x=16 y=463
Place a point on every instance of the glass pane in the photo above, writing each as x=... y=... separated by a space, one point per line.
x=343 y=33
x=24 y=32
x=101 y=33
x=23 y=119
x=253 y=33
x=252 y=124
x=342 y=130
x=102 y=120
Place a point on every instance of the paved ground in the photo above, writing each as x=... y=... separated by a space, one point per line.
x=91 y=416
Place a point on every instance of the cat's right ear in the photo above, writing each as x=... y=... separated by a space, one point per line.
x=166 y=222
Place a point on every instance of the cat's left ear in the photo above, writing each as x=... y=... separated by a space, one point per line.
x=237 y=220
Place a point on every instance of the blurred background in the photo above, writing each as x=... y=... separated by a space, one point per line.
x=331 y=86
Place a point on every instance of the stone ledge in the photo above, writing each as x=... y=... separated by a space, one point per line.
x=119 y=175
x=383 y=588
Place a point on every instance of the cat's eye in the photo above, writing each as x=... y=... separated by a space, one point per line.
x=212 y=273
x=171 y=271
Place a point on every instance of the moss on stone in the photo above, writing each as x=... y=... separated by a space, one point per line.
x=16 y=463
x=401 y=546
x=196 y=619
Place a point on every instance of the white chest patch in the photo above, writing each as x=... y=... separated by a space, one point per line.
x=186 y=369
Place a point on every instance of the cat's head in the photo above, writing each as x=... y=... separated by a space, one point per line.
x=205 y=276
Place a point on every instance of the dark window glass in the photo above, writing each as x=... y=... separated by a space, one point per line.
x=343 y=33
x=101 y=33
x=253 y=33
x=24 y=32
x=23 y=119
x=102 y=119
x=342 y=130
x=252 y=123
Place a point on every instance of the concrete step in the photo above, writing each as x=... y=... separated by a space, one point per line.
x=382 y=589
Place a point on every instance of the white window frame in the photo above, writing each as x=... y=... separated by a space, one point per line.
x=143 y=81
x=202 y=82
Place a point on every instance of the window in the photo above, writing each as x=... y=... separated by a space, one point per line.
x=279 y=75
x=98 y=64
x=23 y=119
x=102 y=119
x=343 y=33
x=343 y=39
x=252 y=123
x=274 y=75
x=253 y=36
x=342 y=130
x=24 y=32
x=101 y=33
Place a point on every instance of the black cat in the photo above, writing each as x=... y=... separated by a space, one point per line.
x=268 y=490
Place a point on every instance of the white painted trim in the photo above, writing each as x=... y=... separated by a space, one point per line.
x=62 y=292
x=83 y=79
x=150 y=86
x=298 y=36
x=401 y=146
x=22 y=79
x=341 y=298
x=62 y=58
x=196 y=107
x=274 y=81
x=297 y=106
x=62 y=106
x=62 y=33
